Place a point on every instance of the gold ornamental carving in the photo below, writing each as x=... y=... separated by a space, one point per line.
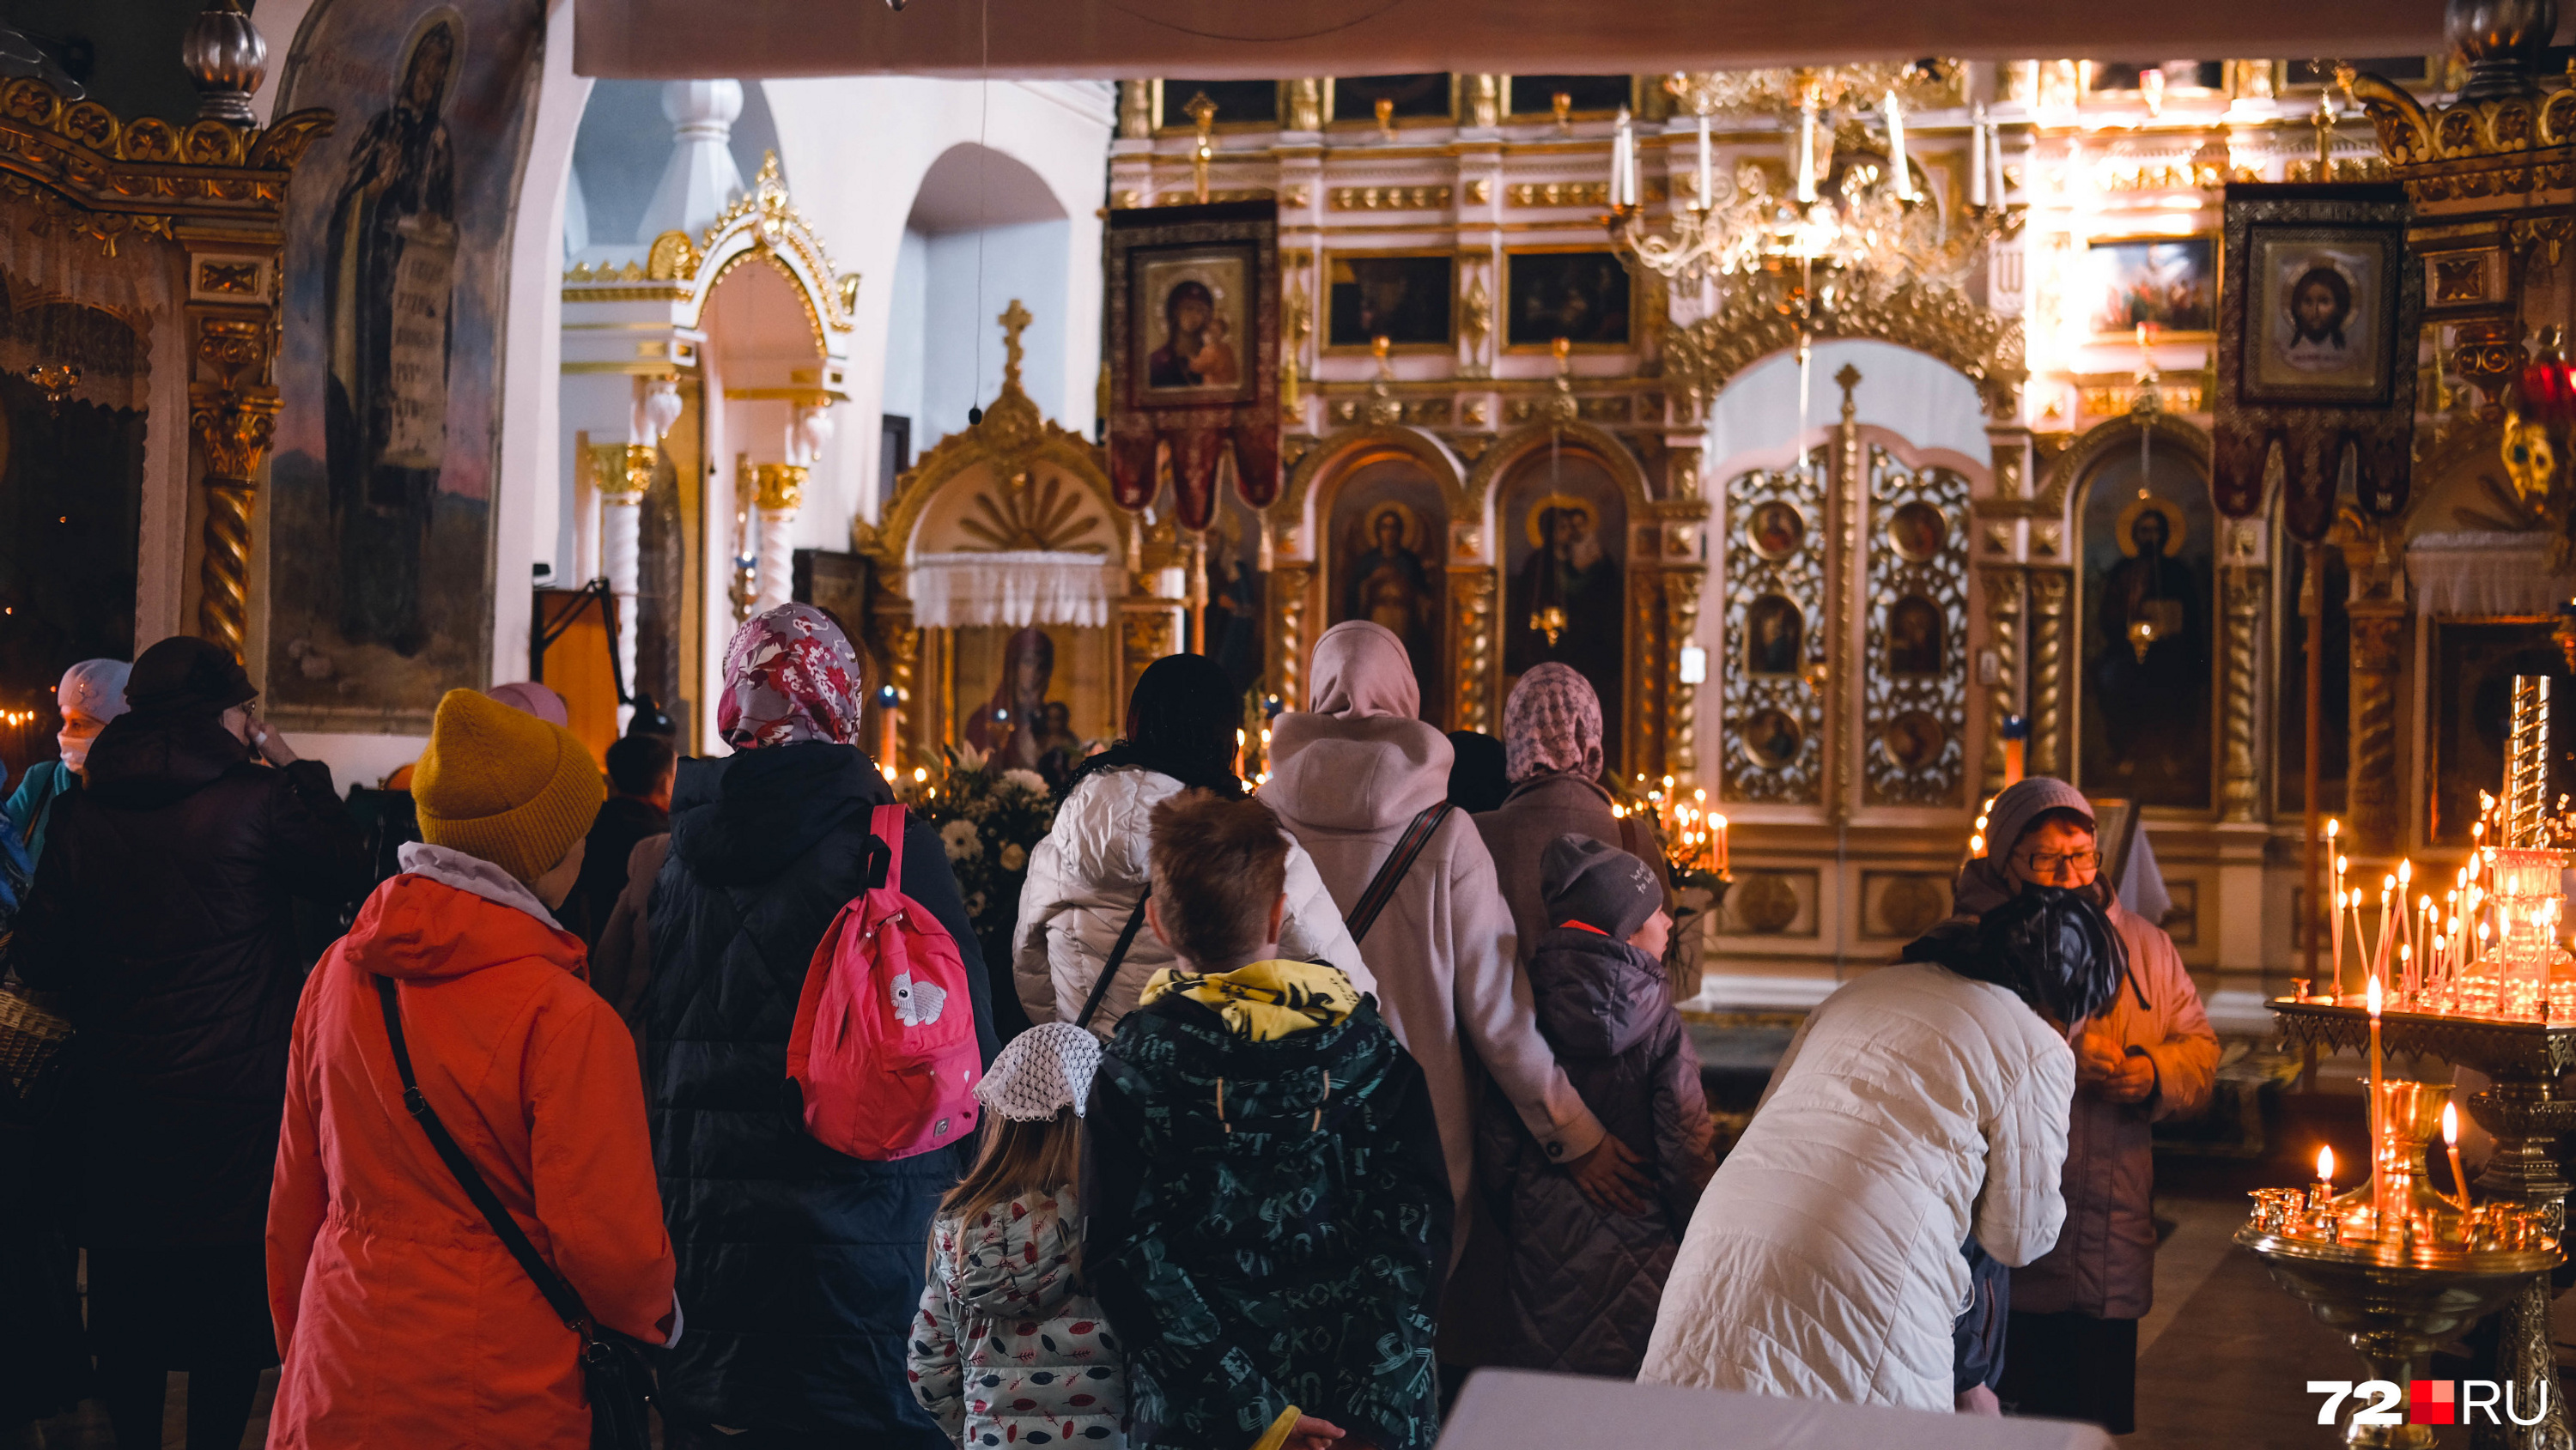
x=778 y=487
x=2500 y=147
x=2002 y=585
x=2244 y=594
x=1641 y=750
x=1471 y=622
x=2048 y=593
x=1388 y=198
x=1759 y=317
x=1014 y=440
x=141 y=174
x=623 y=471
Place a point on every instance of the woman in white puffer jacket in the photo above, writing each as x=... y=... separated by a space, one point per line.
x=1919 y=1102
x=1087 y=876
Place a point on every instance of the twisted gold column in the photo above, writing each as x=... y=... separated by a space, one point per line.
x=1681 y=622
x=2370 y=789
x=233 y=428
x=1471 y=625
x=1288 y=584
x=2244 y=593
x=2002 y=584
x=2048 y=591
x=1645 y=614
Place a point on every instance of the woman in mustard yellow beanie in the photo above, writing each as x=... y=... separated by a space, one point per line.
x=531 y=1072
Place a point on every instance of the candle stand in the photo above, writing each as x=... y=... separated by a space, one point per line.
x=2398 y=1283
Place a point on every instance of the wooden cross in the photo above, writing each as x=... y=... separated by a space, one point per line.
x=1015 y=320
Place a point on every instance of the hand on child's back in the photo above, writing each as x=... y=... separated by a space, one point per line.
x=1310 y=1433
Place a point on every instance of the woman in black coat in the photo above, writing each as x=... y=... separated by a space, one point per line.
x=800 y=1268
x=161 y=908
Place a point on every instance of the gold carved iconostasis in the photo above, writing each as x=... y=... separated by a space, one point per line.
x=140 y=268
x=1549 y=547
x=1006 y=613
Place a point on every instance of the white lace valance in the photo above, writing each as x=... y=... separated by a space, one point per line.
x=2475 y=572
x=1019 y=587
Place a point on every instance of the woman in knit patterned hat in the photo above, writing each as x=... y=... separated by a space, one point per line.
x=405 y=1320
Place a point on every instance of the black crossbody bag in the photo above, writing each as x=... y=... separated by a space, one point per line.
x=616 y=1377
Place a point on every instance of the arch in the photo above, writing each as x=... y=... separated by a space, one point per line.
x=1759 y=318
x=1352 y=449
x=1917 y=396
x=762 y=225
x=1602 y=446
x=1013 y=438
x=2070 y=468
x=971 y=187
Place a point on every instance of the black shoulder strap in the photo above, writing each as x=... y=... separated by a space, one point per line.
x=567 y=1304
x=1381 y=887
x=1117 y=954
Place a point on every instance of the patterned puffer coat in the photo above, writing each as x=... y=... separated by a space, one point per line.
x=1269 y=1227
x=1583 y=1283
x=1007 y=1349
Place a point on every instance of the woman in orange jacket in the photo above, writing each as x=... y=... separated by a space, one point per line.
x=403 y=1319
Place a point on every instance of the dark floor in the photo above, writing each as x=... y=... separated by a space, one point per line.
x=2224 y=1357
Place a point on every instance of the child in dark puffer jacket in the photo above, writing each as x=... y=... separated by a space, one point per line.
x=1584 y=1284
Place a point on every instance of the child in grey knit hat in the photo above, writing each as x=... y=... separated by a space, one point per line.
x=1584 y=1284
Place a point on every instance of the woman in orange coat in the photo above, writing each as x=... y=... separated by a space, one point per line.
x=404 y=1321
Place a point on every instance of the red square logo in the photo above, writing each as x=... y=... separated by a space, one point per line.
x=2431 y=1402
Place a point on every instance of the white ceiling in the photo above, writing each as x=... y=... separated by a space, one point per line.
x=1261 y=39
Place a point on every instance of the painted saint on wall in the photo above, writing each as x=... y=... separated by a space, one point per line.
x=391 y=278
x=1390 y=529
x=1564 y=523
x=397 y=280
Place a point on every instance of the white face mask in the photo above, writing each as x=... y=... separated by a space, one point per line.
x=74 y=741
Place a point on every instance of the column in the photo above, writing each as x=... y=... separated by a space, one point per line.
x=2243 y=592
x=2048 y=592
x=779 y=491
x=2371 y=789
x=623 y=471
x=1471 y=630
x=2002 y=585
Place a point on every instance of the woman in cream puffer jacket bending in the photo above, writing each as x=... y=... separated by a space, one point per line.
x=1918 y=1103
x=1088 y=874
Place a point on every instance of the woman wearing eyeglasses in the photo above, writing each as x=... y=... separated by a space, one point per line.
x=2071 y=1349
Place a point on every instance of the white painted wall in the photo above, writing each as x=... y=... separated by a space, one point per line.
x=972 y=276
x=856 y=151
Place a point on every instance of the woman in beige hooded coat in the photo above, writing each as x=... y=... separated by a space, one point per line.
x=1348 y=775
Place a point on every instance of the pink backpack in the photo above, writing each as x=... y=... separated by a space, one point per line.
x=883 y=1051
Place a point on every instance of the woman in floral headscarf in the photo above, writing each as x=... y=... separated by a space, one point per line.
x=1552 y=755
x=799 y=1267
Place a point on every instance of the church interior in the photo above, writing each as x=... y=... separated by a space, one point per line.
x=1873 y=416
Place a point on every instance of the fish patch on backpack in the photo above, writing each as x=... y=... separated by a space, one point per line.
x=916 y=1004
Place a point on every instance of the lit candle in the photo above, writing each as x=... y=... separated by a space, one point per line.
x=1904 y=177
x=2324 y=1191
x=1977 y=158
x=1720 y=823
x=1623 y=163
x=2378 y=1141
x=1807 y=150
x=2451 y=1146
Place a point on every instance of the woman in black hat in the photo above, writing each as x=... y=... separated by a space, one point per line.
x=161 y=909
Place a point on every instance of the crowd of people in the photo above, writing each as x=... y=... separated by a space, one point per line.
x=1335 y=1092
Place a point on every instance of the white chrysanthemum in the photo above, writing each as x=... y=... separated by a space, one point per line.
x=1014 y=856
x=960 y=839
x=1027 y=780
